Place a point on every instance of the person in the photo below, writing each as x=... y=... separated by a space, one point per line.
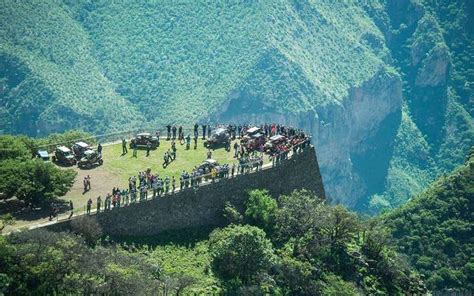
x=196 y=132
x=99 y=202
x=195 y=142
x=124 y=147
x=109 y=202
x=160 y=186
x=99 y=149
x=204 y=131
x=236 y=150
x=173 y=149
x=209 y=154
x=89 y=204
x=233 y=169
x=165 y=160
x=168 y=130
x=173 y=184
x=134 y=149
x=167 y=185
x=84 y=182
x=173 y=129
x=148 y=148
x=71 y=207
x=88 y=182
x=127 y=197
x=181 y=181
x=158 y=138
x=180 y=132
x=188 y=142
x=213 y=174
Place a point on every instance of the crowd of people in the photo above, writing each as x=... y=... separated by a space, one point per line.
x=147 y=185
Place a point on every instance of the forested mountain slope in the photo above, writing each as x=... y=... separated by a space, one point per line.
x=435 y=230
x=383 y=86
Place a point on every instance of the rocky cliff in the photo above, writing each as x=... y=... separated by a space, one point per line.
x=385 y=87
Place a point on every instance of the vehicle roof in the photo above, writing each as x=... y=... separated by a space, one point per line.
x=64 y=149
x=143 y=134
x=219 y=130
x=82 y=144
x=276 y=137
x=43 y=153
x=253 y=130
x=257 y=135
x=89 y=152
x=210 y=160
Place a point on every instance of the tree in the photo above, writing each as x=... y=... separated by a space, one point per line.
x=240 y=252
x=34 y=181
x=261 y=209
x=298 y=214
x=231 y=214
x=12 y=147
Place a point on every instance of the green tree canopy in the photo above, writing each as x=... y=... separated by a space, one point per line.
x=12 y=147
x=261 y=209
x=34 y=181
x=240 y=252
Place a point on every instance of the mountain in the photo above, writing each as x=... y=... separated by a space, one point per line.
x=435 y=230
x=385 y=87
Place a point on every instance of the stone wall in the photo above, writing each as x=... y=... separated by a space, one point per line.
x=204 y=207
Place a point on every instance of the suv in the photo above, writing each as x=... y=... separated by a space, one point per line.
x=142 y=139
x=79 y=148
x=89 y=159
x=253 y=138
x=64 y=156
x=219 y=137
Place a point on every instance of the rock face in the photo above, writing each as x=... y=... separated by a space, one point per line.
x=339 y=130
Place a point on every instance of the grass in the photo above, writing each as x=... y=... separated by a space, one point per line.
x=117 y=168
x=125 y=166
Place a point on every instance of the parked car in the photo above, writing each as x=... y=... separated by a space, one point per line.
x=253 y=138
x=79 y=148
x=142 y=139
x=63 y=155
x=219 y=137
x=90 y=159
x=42 y=154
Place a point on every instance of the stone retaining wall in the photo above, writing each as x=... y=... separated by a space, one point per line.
x=204 y=207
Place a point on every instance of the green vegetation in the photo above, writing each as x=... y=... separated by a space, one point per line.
x=108 y=66
x=435 y=230
x=32 y=181
x=315 y=249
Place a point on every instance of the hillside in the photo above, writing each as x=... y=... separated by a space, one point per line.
x=385 y=87
x=435 y=230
